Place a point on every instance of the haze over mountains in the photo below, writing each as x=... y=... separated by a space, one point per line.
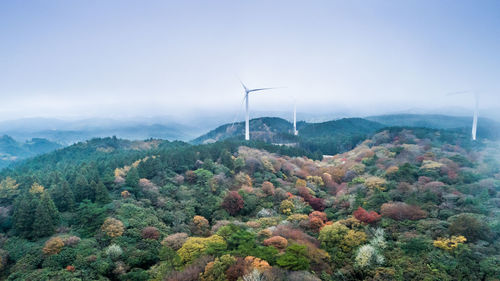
x=26 y=138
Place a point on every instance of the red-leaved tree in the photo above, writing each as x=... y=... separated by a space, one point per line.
x=233 y=203
x=365 y=216
x=317 y=204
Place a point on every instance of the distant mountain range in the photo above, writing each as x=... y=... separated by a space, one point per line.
x=69 y=132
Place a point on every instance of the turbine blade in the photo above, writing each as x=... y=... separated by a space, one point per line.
x=244 y=87
x=260 y=89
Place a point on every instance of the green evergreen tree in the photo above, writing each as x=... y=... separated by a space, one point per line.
x=83 y=190
x=63 y=196
x=294 y=258
x=46 y=217
x=132 y=180
x=101 y=194
x=90 y=217
x=24 y=213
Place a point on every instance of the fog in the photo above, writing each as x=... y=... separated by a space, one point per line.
x=184 y=59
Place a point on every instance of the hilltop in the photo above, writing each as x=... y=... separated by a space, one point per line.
x=270 y=129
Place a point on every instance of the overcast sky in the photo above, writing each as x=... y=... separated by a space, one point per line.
x=132 y=58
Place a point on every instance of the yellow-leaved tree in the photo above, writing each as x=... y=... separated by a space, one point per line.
x=195 y=246
x=112 y=227
x=449 y=244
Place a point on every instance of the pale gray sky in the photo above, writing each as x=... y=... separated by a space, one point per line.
x=131 y=58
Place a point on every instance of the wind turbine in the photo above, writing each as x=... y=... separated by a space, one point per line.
x=476 y=109
x=295 y=132
x=247 y=117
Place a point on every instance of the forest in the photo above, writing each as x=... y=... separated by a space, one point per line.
x=399 y=204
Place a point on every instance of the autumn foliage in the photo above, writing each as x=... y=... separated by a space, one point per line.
x=201 y=226
x=449 y=244
x=277 y=242
x=53 y=246
x=268 y=188
x=112 y=227
x=317 y=204
x=175 y=241
x=402 y=211
x=365 y=216
x=233 y=203
x=150 y=232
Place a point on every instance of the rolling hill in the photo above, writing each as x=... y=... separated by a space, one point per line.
x=487 y=128
x=327 y=137
x=12 y=150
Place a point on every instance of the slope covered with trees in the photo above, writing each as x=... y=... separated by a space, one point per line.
x=12 y=150
x=320 y=138
x=404 y=204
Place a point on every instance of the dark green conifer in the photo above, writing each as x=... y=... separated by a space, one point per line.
x=24 y=213
x=83 y=190
x=63 y=196
x=132 y=180
x=101 y=194
x=46 y=217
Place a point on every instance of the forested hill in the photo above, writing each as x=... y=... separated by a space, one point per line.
x=320 y=138
x=12 y=150
x=404 y=204
x=487 y=128
x=342 y=126
x=269 y=129
x=278 y=130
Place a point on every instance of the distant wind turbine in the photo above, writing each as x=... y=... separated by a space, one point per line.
x=295 y=132
x=476 y=109
x=247 y=117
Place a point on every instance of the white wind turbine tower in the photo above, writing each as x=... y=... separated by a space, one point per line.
x=476 y=110
x=295 y=118
x=247 y=117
